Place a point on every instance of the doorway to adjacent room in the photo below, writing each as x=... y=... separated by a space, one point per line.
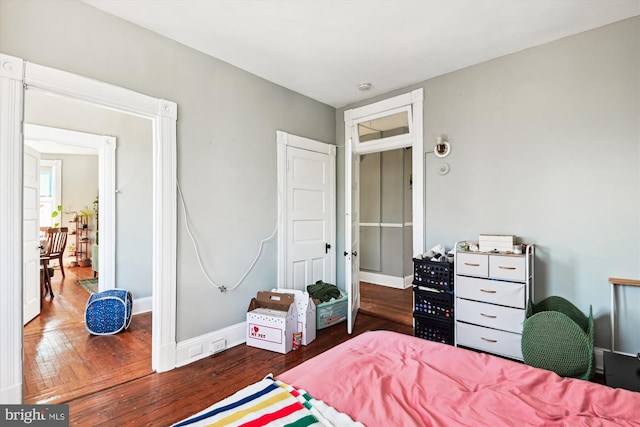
x=386 y=125
x=16 y=76
x=62 y=360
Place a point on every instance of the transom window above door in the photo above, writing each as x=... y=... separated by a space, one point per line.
x=383 y=128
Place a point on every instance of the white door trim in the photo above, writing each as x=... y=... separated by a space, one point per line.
x=105 y=146
x=11 y=102
x=416 y=140
x=285 y=140
x=15 y=73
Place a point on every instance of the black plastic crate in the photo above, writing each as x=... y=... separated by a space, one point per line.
x=433 y=274
x=433 y=303
x=433 y=329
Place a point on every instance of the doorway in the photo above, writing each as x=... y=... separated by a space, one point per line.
x=84 y=168
x=15 y=76
x=385 y=125
x=85 y=183
x=386 y=229
x=386 y=235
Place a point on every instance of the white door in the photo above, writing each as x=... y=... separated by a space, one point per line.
x=307 y=230
x=352 y=233
x=31 y=236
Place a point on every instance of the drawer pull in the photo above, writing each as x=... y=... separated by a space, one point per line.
x=488 y=339
x=490 y=316
x=471 y=264
x=506 y=268
x=488 y=291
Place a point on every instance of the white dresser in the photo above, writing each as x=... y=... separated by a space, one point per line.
x=491 y=294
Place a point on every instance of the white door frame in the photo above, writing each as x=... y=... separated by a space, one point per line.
x=105 y=146
x=415 y=139
x=15 y=75
x=285 y=140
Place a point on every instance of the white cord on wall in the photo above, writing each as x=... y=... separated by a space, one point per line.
x=222 y=288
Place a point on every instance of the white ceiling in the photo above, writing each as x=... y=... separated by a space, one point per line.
x=325 y=48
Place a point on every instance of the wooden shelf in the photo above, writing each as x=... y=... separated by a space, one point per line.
x=83 y=241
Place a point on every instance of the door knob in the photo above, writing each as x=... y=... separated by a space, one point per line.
x=355 y=253
x=326 y=248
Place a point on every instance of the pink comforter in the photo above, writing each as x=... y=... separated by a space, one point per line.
x=387 y=379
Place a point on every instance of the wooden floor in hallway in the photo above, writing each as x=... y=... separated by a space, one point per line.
x=386 y=302
x=63 y=361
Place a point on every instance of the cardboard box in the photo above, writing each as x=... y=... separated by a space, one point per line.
x=496 y=242
x=271 y=321
x=306 y=313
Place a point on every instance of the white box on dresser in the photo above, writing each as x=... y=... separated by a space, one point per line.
x=496 y=242
x=492 y=290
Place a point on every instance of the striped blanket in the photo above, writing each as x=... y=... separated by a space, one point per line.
x=272 y=403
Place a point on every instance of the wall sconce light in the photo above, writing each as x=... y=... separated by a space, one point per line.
x=442 y=147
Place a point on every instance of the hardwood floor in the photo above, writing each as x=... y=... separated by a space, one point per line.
x=62 y=361
x=108 y=386
x=161 y=399
x=107 y=380
x=388 y=303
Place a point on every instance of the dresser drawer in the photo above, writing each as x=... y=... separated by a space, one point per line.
x=491 y=315
x=492 y=291
x=489 y=340
x=507 y=267
x=472 y=264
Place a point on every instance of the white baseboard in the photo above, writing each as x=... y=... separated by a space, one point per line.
x=11 y=395
x=200 y=347
x=408 y=281
x=386 y=280
x=142 y=305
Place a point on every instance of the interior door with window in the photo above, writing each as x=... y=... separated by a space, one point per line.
x=384 y=125
x=352 y=233
x=31 y=236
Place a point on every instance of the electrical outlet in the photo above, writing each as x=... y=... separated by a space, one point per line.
x=218 y=346
x=194 y=351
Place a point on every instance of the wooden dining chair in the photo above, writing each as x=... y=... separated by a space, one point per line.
x=56 y=242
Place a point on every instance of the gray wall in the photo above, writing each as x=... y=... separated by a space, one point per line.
x=370 y=200
x=407 y=201
x=133 y=178
x=227 y=122
x=385 y=197
x=545 y=145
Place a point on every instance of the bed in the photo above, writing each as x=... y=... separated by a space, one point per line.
x=383 y=378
